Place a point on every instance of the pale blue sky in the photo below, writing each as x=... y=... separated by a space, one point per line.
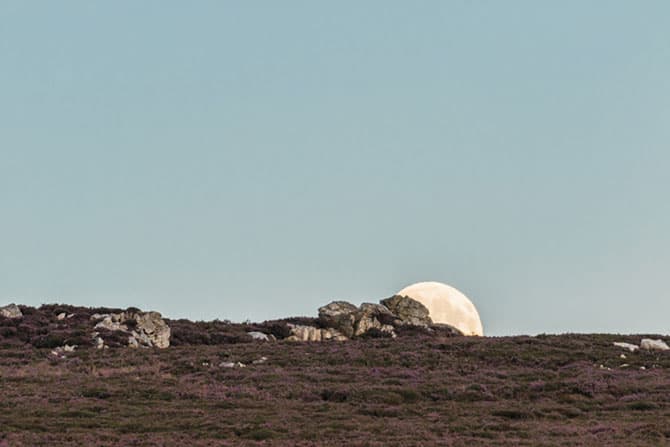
x=256 y=159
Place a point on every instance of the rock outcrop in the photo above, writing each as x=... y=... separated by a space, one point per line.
x=351 y=321
x=11 y=311
x=340 y=315
x=409 y=311
x=311 y=333
x=143 y=328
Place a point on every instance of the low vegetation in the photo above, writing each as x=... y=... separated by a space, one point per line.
x=418 y=389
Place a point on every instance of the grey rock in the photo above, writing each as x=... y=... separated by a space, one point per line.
x=339 y=315
x=11 y=311
x=409 y=311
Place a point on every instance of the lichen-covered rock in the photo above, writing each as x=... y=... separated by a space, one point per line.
x=339 y=315
x=11 y=311
x=409 y=311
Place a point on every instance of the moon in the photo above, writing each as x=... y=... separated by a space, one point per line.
x=446 y=305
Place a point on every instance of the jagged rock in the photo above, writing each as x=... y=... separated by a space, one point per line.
x=631 y=347
x=156 y=329
x=654 y=345
x=11 y=311
x=260 y=336
x=373 y=316
x=339 y=315
x=409 y=311
x=148 y=328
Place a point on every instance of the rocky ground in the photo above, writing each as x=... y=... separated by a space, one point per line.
x=216 y=385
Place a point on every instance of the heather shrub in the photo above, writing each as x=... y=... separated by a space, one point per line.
x=52 y=340
x=280 y=330
x=375 y=333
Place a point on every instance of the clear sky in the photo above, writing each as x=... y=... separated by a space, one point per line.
x=257 y=159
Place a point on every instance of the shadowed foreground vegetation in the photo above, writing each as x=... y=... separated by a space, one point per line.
x=414 y=390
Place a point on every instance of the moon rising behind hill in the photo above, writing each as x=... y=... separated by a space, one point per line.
x=446 y=305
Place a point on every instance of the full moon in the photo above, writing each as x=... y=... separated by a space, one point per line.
x=446 y=305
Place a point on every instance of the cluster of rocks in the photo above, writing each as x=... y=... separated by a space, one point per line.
x=144 y=329
x=341 y=320
x=61 y=351
x=647 y=344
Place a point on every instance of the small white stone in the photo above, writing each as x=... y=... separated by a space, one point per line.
x=61 y=316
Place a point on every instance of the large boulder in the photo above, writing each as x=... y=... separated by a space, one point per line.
x=154 y=327
x=339 y=315
x=409 y=311
x=373 y=316
x=11 y=311
x=654 y=345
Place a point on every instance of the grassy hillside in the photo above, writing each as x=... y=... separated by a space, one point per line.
x=414 y=390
